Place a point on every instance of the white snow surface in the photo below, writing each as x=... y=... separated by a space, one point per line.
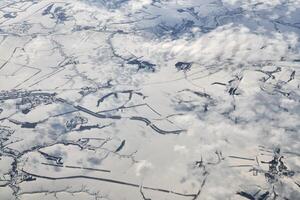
x=149 y=99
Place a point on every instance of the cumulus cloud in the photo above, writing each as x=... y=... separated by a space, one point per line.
x=143 y=168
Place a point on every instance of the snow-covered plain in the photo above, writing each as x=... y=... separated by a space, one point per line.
x=149 y=99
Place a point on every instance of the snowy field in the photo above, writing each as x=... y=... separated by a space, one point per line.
x=149 y=99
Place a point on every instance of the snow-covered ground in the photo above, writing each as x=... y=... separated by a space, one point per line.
x=149 y=99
